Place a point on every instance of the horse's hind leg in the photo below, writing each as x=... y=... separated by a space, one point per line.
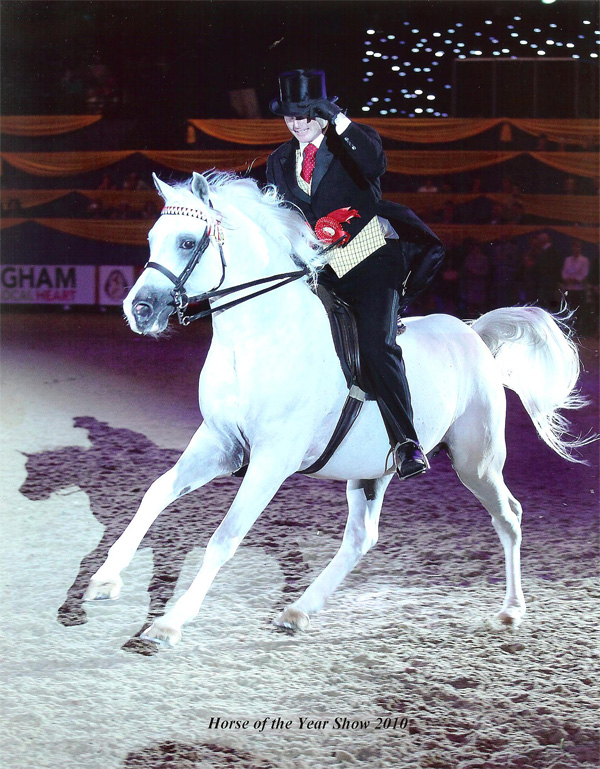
x=364 y=502
x=204 y=459
x=478 y=456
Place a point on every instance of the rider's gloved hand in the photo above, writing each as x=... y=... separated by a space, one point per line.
x=324 y=109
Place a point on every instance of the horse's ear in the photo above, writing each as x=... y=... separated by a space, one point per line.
x=200 y=187
x=164 y=190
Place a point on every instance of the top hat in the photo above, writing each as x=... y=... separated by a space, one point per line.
x=298 y=89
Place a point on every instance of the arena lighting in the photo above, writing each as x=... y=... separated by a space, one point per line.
x=488 y=37
x=547 y=2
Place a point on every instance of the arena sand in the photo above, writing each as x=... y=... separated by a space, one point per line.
x=407 y=652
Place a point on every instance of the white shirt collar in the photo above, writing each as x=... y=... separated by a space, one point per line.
x=317 y=142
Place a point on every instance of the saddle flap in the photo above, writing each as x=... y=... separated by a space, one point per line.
x=345 y=335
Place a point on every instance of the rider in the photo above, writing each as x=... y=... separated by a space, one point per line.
x=330 y=170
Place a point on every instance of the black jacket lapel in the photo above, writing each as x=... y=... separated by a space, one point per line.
x=323 y=157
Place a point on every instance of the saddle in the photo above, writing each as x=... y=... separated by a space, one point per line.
x=345 y=336
x=345 y=340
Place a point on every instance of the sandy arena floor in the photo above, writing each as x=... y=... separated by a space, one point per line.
x=407 y=651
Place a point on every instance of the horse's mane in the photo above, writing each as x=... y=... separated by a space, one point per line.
x=283 y=225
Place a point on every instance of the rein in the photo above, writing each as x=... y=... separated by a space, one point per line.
x=181 y=300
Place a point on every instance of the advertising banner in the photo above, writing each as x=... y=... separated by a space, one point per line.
x=114 y=282
x=47 y=284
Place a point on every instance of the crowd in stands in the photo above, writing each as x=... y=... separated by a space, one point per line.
x=476 y=278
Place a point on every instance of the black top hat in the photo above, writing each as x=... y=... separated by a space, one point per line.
x=298 y=89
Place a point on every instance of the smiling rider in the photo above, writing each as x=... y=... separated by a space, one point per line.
x=385 y=255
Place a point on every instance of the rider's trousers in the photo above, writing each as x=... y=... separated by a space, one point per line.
x=371 y=290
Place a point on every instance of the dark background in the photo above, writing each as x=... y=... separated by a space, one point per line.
x=181 y=59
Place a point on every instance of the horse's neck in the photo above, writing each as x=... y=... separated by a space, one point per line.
x=284 y=309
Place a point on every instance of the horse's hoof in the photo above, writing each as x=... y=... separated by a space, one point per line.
x=107 y=590
x=511 y=616
x=162 y=634
x=293 y=619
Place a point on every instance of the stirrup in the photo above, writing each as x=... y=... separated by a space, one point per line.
x=399 y=458
x=394 y=453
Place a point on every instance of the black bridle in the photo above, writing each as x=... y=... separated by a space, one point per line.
x=181 y=300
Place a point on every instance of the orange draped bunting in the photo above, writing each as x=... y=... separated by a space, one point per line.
x=45 y=125
x=135 y=233
x=410 y=162
x=419 y=130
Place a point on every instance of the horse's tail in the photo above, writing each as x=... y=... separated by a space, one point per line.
x=538 y=359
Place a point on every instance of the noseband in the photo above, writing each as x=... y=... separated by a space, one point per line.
x=181 y=300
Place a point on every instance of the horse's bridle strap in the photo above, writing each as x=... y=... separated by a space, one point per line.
x=284 y=278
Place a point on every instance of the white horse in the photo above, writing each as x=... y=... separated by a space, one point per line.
x=272 y=389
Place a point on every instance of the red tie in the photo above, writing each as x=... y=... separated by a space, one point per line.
x=308 y=162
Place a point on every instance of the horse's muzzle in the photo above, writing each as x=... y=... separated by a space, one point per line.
x=147 y=314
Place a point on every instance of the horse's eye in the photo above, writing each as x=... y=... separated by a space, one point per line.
x=188 y=244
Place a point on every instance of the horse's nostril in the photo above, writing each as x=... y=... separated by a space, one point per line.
x=142 y=310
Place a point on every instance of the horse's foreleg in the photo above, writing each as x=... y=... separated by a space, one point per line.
x=364 y=502
x=204 y=459
x=262 y=480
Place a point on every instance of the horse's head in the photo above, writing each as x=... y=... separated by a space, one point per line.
x=186 y=256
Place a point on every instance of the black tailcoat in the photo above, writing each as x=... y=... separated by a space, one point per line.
x=347 y=172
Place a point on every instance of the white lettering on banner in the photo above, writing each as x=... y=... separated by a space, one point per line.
x=47 y=284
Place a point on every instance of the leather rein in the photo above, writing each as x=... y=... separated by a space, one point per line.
x=181 y=300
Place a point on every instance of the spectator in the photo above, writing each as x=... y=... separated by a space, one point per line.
x=516 y=213
x=448 y=214
x=428 y=186
x=477 y=186
x=133 y=182
x=475 y=279
x=575 y=272
x=14 y=208
x=447 y=287
x=498 y=214
x=107 y=183
x=505 y=274
x=543 y=145
x=549 y=263
x=528 y=292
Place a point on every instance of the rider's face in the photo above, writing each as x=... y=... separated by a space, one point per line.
x=303 y=128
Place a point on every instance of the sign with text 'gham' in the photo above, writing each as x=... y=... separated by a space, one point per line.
x=52 y=284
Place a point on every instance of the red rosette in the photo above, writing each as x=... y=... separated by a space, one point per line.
x=329 y=228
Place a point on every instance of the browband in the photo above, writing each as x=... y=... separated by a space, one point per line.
x=214 y=228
